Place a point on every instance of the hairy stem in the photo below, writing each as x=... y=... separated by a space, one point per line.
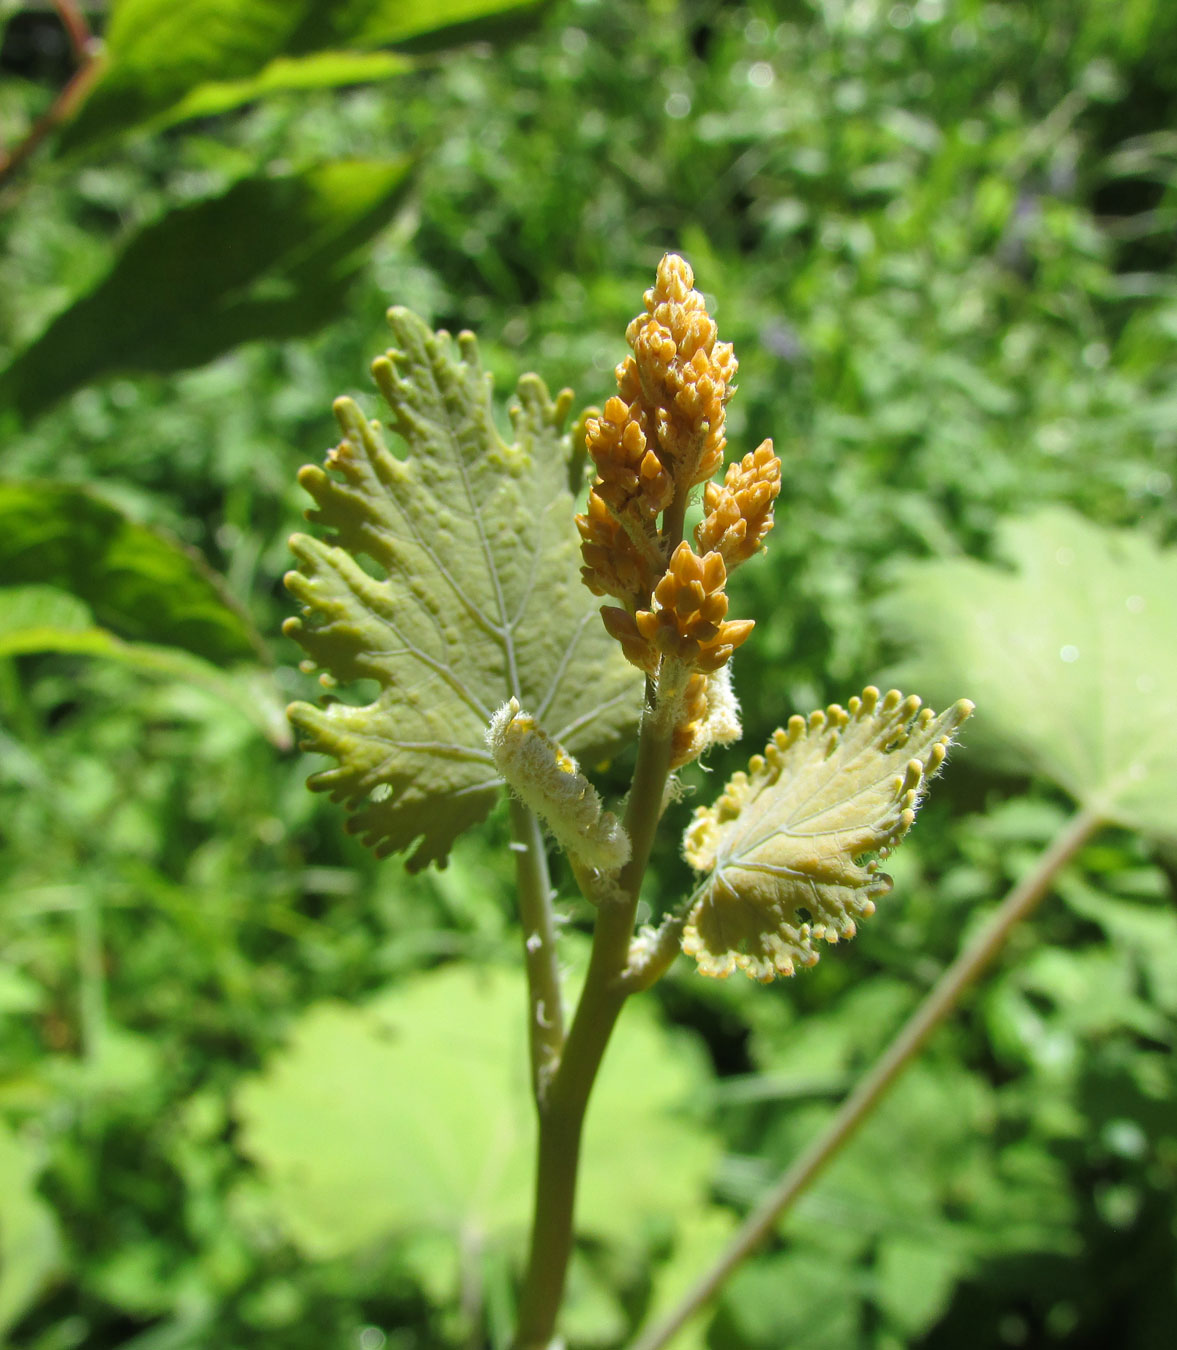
x=910 y=1039
x=545 y=1009
x=562 y=1109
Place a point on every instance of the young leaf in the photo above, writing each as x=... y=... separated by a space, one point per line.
x=1072 y=656
x=784 y=842
x=479 y=601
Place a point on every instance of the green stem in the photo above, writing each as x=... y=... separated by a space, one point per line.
x=545 y=1010
x=910 y=1039
x=562 y=1110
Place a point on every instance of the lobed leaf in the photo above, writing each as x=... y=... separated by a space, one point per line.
x=479 y=598
x=784 y=843
x=1072 y=653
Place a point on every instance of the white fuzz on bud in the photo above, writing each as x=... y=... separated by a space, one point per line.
x=547 y=779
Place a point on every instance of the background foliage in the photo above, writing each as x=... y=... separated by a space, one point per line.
x=940 y=236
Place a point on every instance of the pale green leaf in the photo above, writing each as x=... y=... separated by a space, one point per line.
x=479 y=598
x=784 y=843
x=1070 y=654
x=30 y=1249
x=413 y=1115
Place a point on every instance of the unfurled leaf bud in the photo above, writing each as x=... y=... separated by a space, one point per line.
x=546 y=779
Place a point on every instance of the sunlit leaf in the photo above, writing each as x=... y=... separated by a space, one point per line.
x=165 y=62
x=322 y=70
x=784 y=844
x=1070 y=653
x=479 y=598
x=413 y=1115
x=269 y=258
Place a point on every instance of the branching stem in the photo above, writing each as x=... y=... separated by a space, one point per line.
x=562 y=1108
x=910 y=1039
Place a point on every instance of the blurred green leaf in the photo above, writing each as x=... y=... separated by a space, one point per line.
x=37 y=619
x=132 y=579
x=321 y=70
x=414 y=1114
x=156 y=52
x=416 y=25
x=30 y=1249
x=1071 y=657
x=270 y=258
x=164 y=62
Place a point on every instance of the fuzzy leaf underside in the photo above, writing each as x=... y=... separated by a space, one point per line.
x=784 y=843
x=478 y=597
x=1072 y=657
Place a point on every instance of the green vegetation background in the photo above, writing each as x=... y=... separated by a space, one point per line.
x=941 y=238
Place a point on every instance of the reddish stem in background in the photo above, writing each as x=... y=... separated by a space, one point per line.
x=86 y=49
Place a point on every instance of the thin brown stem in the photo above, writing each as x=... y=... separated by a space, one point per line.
x=74 y=21
x=942 y=998
x=60 y=110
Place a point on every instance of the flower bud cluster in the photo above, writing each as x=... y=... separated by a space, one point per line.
x=739 y=513
x=687 y=620
x=661 y=435
x=658 y=438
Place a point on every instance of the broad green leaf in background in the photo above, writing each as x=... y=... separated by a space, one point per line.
x=321 y=70
x=416 y=25
x=164 y=62
x=480 y=598
x=269 y=258
x=30 y=1249
x=1070 y=653
x=40 y=619
x=413 y=1115
x=132 y=579
x=783 y=845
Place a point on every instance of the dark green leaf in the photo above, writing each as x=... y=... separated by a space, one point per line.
x=135 y=581
x=267 y=259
